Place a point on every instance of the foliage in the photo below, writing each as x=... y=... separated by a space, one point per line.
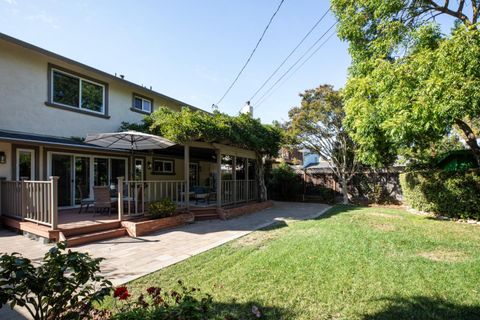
x=64 y=286
x=320 y=193
x=284 y=183
x=376 y=186
x=452 y=194
x=161 y=209
x=351 y=263
x=318 y=126
x=409 y=85
x=156 y=303
x=187 y=125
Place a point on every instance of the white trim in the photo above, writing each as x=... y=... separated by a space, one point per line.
x=32 y=163
x=80 y=87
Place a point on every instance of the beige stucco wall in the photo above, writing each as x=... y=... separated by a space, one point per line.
x=6 y=168
x=23 y=92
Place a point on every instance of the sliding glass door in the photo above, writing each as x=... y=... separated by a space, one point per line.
x=62 y=168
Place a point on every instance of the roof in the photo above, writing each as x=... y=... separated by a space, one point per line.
x=54 y=55
x=318 y=165
x=49 y=140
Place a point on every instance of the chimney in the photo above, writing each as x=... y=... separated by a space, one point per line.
x=247 y=109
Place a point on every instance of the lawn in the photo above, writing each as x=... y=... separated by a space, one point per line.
x=352 y=263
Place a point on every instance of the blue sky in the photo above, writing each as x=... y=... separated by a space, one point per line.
x=190 y=50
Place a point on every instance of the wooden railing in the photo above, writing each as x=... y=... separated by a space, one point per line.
x=135 y=196
x=34 y=201
x=238 y=191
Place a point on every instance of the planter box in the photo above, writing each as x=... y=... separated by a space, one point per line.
x=244 y=209
x=144 y=226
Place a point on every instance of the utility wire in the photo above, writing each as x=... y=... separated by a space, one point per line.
x=296 y=62
x=295 y=71
x=289 y=55
x=251 y=54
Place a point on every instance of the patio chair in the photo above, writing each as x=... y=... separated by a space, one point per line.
x=201 y=194
x=83 y=201
x=102 y=201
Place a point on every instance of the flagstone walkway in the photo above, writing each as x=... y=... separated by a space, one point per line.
x=129 y=258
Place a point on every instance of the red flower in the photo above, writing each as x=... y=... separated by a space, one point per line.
x=151 y=290
x=121 y=293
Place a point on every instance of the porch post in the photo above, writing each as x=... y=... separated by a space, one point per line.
x=219 y=177
x=23 y=198
x=54 y=202
x=187 y=175
x=234 y=175
x=120 y=198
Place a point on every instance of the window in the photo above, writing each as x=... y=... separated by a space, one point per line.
x=25 y=164
x=142 y=104
x=162 y=166
x=73 y=91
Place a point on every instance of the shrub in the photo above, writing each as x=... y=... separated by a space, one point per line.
x=453 y=194
x=64 y=286
x=159 y=304
x=162 y=209
x=284 y=183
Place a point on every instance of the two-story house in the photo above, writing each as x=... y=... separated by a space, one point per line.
x=48 y=105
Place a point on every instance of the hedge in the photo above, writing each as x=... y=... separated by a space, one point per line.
x=453 y=194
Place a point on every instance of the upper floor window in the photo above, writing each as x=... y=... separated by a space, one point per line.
x=74 y=91
x=142 y=104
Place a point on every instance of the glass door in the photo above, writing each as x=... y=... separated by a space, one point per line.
x=193 y=174
x=82 y=178
x=62 y=168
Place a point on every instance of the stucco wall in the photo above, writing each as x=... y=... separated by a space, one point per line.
x=6 y=168
x=23 y=92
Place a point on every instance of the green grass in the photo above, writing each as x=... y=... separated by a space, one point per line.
x=353 y=263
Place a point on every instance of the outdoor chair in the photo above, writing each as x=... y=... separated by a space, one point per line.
x=202 y=194
x=83 y=201
x=102 y=201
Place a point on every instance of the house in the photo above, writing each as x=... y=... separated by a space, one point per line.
x=48 y=105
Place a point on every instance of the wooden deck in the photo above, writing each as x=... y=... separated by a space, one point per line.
x=70 y=218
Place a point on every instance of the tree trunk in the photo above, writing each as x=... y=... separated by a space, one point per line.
x=262 y=187
x=344 y=186
x=471 y=139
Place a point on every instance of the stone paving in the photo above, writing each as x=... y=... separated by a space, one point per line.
x=129 y=258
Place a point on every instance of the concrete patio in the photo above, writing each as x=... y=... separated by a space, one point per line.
x=130 y=258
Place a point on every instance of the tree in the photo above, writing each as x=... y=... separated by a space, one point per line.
x=241 y=131
x=318 y=126
x=409 y=84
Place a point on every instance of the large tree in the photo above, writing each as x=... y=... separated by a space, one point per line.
x=410 y=84
x=242 y=131
x=317 y=125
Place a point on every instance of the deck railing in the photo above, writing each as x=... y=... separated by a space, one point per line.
x=137 y=195
x=238 y=191
x=34 y=201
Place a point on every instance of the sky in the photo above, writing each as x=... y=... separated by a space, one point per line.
x=188 y=49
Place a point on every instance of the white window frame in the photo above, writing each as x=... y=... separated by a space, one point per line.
x=32 y=163
x=135 y=96
x=163 y=161
x=80 y=87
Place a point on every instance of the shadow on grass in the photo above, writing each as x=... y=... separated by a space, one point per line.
x=425 y=308
x=339 y=209
x=234 y=310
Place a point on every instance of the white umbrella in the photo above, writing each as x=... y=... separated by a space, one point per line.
x=129 y=140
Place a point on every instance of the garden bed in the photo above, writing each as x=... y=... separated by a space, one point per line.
x=136 y=228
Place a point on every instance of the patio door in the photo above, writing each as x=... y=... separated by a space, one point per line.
x=62 y=168
x=193 y=174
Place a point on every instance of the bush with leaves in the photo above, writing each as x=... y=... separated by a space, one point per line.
x=63 y=286
x=284 y=183
x=160 y=304
x=453 y=194
x=161 y=209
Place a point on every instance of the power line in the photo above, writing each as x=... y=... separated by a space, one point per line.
x=290 y=54
x=251 y=54
x=295 y=71
x=296 y=62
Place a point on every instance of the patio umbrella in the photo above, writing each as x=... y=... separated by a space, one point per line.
x=129 y=140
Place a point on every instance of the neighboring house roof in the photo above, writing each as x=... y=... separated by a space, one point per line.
x=84 y=66
x=16 y=136
x=321 y=166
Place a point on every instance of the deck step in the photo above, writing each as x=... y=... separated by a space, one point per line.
x=92 y=228
x=95 y=236
x=205 y=214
